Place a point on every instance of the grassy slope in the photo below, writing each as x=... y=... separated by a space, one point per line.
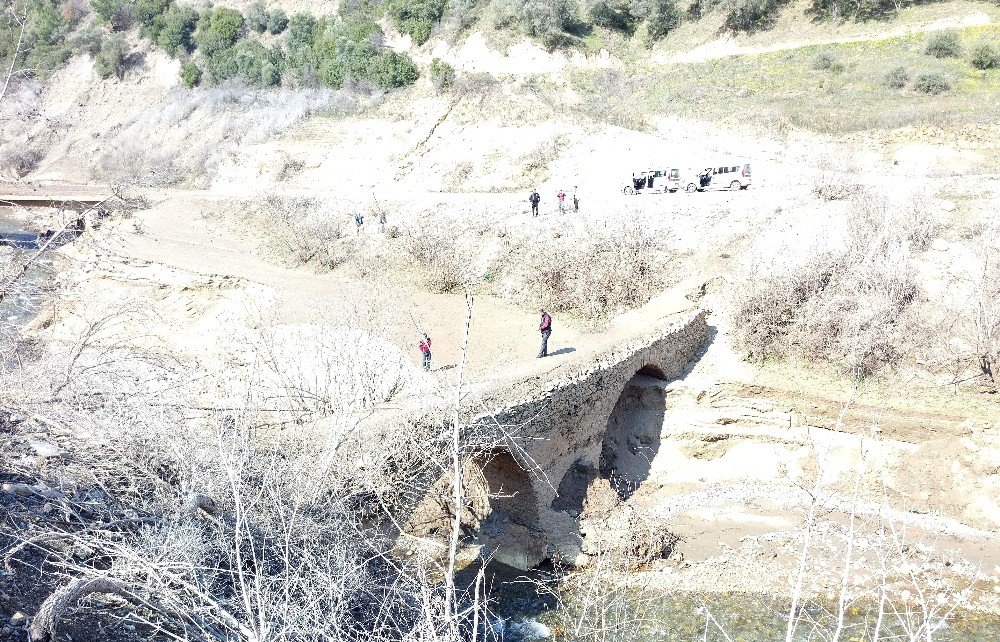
x=781 y=88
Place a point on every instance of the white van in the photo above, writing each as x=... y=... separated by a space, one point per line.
x=654 y=181
x=733 y=176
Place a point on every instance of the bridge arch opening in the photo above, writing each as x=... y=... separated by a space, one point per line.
x=507 y=509
x=632 y=436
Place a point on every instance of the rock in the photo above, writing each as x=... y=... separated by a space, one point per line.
x=18 y=619
x=22 y=490
x=939 y=245
x=45 y=449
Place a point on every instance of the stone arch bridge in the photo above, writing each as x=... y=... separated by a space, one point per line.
x=593 y=431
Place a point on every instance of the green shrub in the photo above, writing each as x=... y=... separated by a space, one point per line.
x=276 y=22
x=897 y=78
x=191 y=74
x=333 y=51
x=86 y=40
x=117 y=13
x=932 y=83
x=612 y=14
x=539 y=18
x=661 y=16
x=753 y=15
x=827 y=61
x=176 y=30
x=111 y=59
x=219 y=29
x=415 y=17
x=546 y=19
x=944 y=44
x=250 y=61
x=146 y=13
x=390 y=70
x=300 y=32
x=46 y=28
x=463 y=12
x=442 y=74
x=985 y=55
x=257 y=17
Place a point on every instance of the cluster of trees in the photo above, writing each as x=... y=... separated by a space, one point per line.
x=660 y=16
x=217 y=43
x=220 y=44
x=33 y=34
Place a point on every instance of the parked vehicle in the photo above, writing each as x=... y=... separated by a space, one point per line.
x=654 y=181
x=733 y=177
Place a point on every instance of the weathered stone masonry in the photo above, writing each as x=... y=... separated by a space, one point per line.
x=560 y=434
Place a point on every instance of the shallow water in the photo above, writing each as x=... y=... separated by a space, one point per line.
x=523 y=614
x=688 y=617
x=21 y=302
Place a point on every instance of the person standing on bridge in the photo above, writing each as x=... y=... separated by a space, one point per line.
x=425 y=348
x=545 y=327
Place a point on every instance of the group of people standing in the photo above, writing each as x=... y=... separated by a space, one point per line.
x=544 y=327
x=359 y=221
x=535 y=199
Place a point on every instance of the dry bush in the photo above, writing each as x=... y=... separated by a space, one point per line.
x=307 y=228
x=22 y=159
x=986 y=305
x=205 y=127
x=439 y=250
x=180 y=509
x=836 y=181
x=596 y=272
x=476 y=83
x=535 y=164
x=137 y=163
x=851 y=304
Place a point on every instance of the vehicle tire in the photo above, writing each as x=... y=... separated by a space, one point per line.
x=691 y=188
x=735 y=185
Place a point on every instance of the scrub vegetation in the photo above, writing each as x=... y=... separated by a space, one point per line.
x=832 y=88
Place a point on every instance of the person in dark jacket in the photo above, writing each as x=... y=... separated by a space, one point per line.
x=534 y=200
x=425 y=348
x=545 y=327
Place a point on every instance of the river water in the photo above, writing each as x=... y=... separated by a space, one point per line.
x=524 y=613
x=21 y=300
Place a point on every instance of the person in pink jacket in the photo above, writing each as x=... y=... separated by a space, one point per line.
x=425 y=348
